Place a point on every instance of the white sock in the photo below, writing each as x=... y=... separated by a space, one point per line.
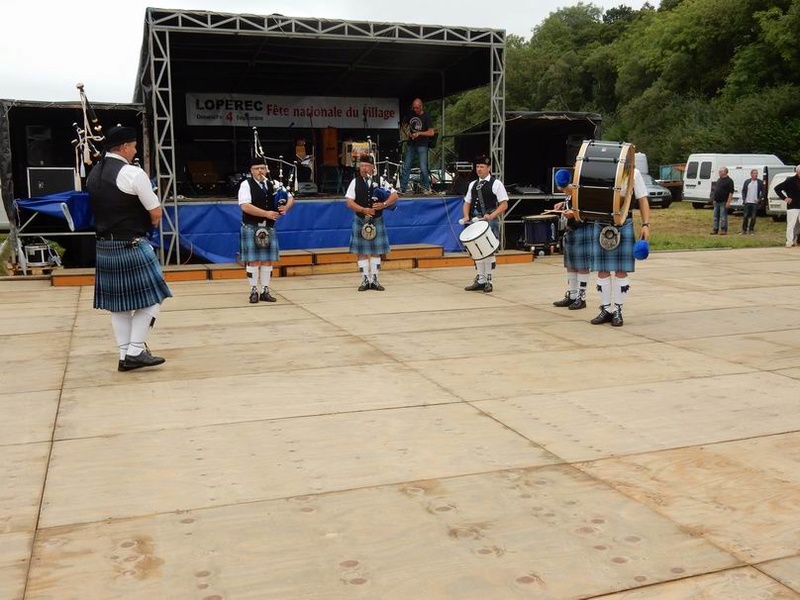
x=621 y=287
x=572 y=284
x=266 y=273
x=363 y=266
x=121 y=324
x=375 y=265
x=140 y=328
x=252 y=276
x=480 y=265
x=604 y=287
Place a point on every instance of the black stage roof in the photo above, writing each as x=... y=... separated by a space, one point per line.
x=274 y=54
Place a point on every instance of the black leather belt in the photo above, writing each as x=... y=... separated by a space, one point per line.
x=130 y=242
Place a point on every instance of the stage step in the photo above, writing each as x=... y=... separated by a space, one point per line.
x=462 y=259
x=318 y=261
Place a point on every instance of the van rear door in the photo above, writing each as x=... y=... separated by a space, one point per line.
x=697 y=182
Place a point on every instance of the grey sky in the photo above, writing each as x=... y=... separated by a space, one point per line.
x=47 y=47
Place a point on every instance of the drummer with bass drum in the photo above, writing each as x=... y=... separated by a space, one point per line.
x=486 y=199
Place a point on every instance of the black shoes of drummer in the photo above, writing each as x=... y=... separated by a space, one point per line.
x=375 y=285
x=565 y=301
x=476 y=286
x=364 y=285
x=578 y=303
x=253 y=295
x=145 y=359
x=266 y=296
x=616 y=319
x=603 y=317
x=487 y=287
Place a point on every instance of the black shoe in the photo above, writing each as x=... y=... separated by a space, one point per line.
x=145 y=359
x=616 y=319
x=578 y=304
x=487 y=287
x=364 y=285
x=714 y=232
x=603 y=317
x=565 y=301
x=120 y=365
x=375 y=285
x=475 y=286
x=253 y=295
x=266 y=296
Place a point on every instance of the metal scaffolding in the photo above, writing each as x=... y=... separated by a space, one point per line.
x=155 y=82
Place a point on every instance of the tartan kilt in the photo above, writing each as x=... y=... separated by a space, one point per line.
x=578 y=247
x=128 y=278
x=250 y=252
x=374 y=247
x=618 y=259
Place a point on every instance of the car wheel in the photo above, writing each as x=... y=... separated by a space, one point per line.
x=698 y=204
x=777 y=218
x=665 y=203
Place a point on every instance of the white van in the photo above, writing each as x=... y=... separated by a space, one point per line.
x=702 y=170
x=776 y=208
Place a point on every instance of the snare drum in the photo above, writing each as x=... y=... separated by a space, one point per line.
x=479 y=240
x=604 y=181
x=541 y=230
x=37 y=255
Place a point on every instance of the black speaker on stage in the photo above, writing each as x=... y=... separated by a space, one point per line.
x=39 y=145
x=50 y=180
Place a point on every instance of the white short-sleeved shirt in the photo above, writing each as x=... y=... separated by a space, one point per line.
x=244 y=195
x=498 y=189
x=133 y=180
x=639 y=186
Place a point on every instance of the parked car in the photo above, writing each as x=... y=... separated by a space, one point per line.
x=657 y=195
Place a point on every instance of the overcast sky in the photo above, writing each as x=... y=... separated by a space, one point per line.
x=46 y=47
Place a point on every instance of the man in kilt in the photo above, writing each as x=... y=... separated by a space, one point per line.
x=486 y=199
x=128 y=278
x=578 y=244
x=258 y=243
x=368 y=239
x=619 y=260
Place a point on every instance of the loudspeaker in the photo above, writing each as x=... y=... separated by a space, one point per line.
x=43 y=181
x=39 y=145
x=330 y=149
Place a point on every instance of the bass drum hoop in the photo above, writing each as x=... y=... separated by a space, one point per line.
x=619 y=194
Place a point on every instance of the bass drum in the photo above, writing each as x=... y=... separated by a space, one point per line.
x=603 y=181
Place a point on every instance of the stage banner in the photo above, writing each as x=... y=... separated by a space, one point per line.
x=251 y=110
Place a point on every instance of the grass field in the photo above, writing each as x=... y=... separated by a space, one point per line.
x=681 y=227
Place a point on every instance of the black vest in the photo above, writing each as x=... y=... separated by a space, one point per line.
x=364 y=194
x=115 y=212
x=260 y=199
x=489 y=197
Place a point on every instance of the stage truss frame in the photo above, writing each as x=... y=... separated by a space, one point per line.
x=155 y=77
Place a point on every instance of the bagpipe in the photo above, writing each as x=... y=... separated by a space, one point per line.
x=282 y=189
x=89 y=139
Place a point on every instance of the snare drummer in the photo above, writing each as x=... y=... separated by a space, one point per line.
x=368 y=211
x=618 y=260
x=486 y=199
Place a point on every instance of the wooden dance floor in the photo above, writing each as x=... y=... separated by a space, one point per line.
x=422 y=443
